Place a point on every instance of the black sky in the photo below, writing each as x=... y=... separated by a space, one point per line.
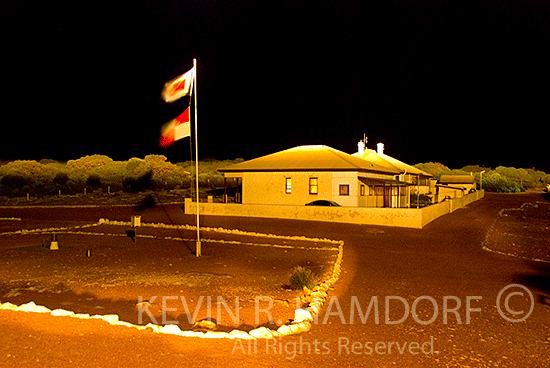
x=456 y=82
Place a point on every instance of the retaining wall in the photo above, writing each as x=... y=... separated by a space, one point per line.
x=401 y=217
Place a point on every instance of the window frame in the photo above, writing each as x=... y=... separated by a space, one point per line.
x=288 y=185
x=343 y=189
x=314 y=187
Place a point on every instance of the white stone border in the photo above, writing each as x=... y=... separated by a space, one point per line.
x=502 y=213
x=303 y=317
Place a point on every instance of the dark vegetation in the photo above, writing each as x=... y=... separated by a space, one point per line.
x=100 y=173
x=301 y=277
x=501 y=179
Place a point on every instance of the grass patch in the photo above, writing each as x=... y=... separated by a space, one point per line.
x=300 y=277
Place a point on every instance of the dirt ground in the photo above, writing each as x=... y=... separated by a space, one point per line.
x=522 y=232
x=155 y=277
x=449 y=257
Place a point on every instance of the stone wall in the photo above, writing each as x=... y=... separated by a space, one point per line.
x=401 y=217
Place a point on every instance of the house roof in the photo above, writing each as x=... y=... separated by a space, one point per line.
x=309 y=158
x=457 y=179
x=390 y=162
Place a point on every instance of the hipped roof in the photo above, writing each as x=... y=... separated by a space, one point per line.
x=309 y=158
x=390 y=162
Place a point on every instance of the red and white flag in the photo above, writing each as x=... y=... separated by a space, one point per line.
x=176 y=129
x=178 y=87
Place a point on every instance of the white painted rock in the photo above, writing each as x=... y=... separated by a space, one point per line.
x=171 y=329
x=261 y=332
x=61 y=312
x=302 y=315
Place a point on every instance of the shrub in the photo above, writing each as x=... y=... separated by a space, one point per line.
x=496 y=182
x=93 y=180
x=88 y=163
x=15 y=180
x=61 y=178
x=423 y=200
x=435 y=168
x=300 y=277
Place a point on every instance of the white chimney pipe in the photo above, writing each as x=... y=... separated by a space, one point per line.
x=361 y=147
x=380 y=148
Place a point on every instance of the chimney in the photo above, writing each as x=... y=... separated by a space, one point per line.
x=380 y=148
x=361 y=147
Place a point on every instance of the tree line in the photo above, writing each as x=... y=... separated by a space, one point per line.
x=100 y=172
x=500 y=179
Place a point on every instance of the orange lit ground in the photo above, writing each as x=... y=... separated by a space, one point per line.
x=445 y=258
x=160 y=268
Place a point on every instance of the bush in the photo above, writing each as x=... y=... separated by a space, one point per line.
x=88 y=163
x=300 y=277
x=423 y=200
x=61 y=178
x=495 y=182
x=14 y=180
x=93 y=180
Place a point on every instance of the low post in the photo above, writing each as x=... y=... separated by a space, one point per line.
x=53 y=244
x=135 y=223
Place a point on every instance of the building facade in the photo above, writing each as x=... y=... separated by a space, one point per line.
x=304 y=174
x=420 y=181
x=454 y=186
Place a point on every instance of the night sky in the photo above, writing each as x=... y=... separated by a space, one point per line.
x=458 y=82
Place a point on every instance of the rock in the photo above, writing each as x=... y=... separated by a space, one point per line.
x=261 y=332
x=61 y=312
x=171 y=329
x=302 y=315
x=209 y=325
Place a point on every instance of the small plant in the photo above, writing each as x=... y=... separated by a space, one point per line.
x=300 y=277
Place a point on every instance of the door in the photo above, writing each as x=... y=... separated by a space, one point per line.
x=387 y=196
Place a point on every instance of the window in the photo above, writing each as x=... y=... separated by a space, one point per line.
x=288 y=185
x=395 y=191
x=379 y=190
x=362 y=189
x=371 y=190
x=313 y=186
x=344 y=189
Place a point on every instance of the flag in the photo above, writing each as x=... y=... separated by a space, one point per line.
x=176 y=129
x=178 y=87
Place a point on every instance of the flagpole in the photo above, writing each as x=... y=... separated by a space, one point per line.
x=198 y=247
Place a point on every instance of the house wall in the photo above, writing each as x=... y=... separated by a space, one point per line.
x=270 y=188
x=345 y=178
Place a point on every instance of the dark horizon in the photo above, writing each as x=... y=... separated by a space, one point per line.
x=461 y=84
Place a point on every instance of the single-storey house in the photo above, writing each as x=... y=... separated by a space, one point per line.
x=454 y=186
x=304 y=174
x=421 y=181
